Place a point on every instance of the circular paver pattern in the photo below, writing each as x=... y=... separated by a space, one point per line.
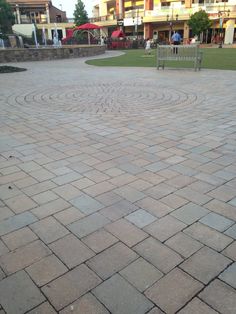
x=105 y=97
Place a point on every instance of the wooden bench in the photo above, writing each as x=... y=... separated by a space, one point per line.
x=179 y=53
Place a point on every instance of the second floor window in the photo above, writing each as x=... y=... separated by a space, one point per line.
x=165 y=4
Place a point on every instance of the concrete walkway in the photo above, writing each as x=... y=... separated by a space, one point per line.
x=118 y=190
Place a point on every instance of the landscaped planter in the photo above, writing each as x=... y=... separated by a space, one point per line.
x=49 y=53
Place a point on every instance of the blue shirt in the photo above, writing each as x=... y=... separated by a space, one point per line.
x=176 y=37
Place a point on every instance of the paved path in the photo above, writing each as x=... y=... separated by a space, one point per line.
x=118 y=190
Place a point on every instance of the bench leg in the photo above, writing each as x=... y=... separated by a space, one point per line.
x=199 y=64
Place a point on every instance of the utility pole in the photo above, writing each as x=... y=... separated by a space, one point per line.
x=171 y=21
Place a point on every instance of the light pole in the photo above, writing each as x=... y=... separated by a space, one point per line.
x=136 y=22
x=171 y=19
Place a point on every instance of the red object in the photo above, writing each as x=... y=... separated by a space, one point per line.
x=69 y=32
x=87 y=26
x=120 y=45
x=117 y=34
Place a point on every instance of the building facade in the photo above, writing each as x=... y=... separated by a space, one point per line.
x=39 y=12
x=157 y=19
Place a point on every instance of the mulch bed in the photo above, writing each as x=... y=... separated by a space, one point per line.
x=9 y=69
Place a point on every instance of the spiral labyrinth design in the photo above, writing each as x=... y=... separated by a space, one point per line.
x=102 y=98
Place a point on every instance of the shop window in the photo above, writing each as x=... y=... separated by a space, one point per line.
x=165 y=4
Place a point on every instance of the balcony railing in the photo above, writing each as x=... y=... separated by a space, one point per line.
x=167 y=11
x=214 y=7
x=114 y=17
x=26 y=19
x=104 y=18
x=134 y=13
x=172 y=11
x=110 y=17
x=42 y=20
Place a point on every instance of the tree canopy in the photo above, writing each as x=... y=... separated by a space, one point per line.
x=6 y=18
x=199 y=22
x=80 y=14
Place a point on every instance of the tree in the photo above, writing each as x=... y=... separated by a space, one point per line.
x=80 y=14
x=6 y=18
x=199 y=22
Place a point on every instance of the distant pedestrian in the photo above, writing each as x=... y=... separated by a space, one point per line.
x=148 y=46
x=102 y=41
x=176 y=39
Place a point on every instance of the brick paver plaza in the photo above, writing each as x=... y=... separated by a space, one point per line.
x=118 y=190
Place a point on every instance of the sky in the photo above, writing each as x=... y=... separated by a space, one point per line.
x=69 y=6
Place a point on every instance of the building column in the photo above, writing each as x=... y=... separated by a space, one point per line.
x=186 y=33
x=148 y=4
x=229 y=31
x=50 y=34
x=18 y=14
x=188 y=3
x=148 y=30
x=48 y=14
x=63 y=32
x=120 y=8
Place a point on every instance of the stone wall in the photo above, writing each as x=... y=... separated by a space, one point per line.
x=33 y=54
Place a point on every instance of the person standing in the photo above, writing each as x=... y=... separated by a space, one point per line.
x=102 y=41
x=176 y=39
x=148 y=46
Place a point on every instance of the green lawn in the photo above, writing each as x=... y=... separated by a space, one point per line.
x=213 y=58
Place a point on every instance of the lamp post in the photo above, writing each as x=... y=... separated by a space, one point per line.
x=222 y=14
x=136 y=22
x=171 y=19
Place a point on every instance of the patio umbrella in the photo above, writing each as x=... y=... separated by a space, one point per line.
x=87 y=27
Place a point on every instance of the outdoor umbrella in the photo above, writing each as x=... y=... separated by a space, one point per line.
x=87 y=27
